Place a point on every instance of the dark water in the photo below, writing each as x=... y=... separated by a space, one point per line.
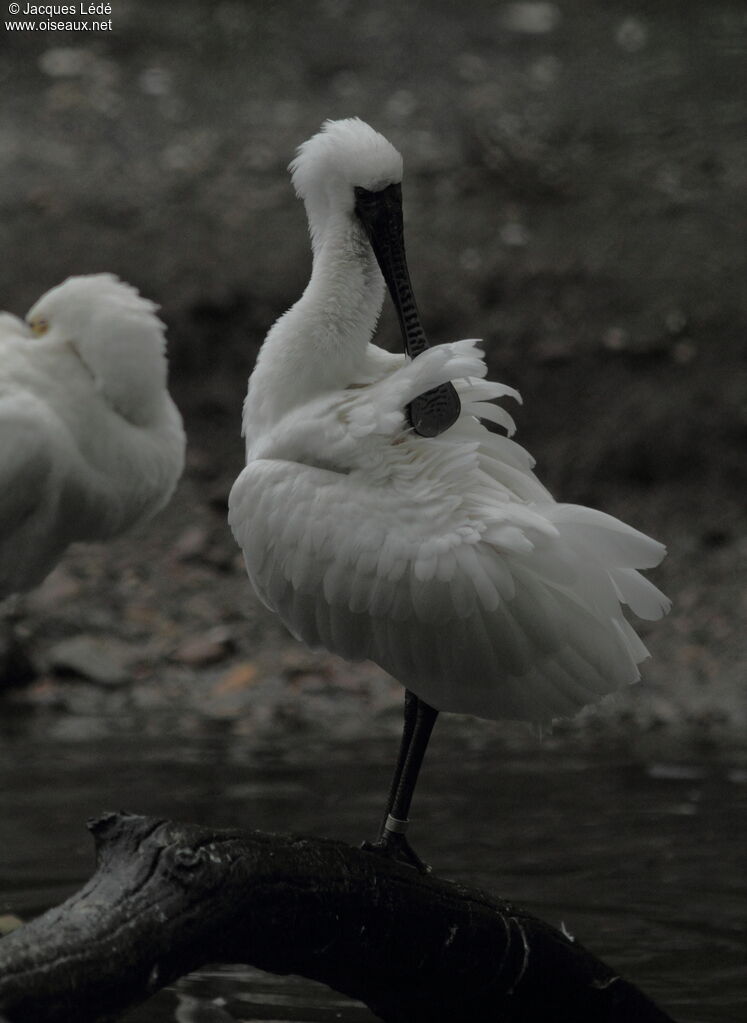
x=640 y=856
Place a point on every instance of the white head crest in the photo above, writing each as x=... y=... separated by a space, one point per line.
x=116 y=334
x=343 y=155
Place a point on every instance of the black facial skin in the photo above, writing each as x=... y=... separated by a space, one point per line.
x=381 y=215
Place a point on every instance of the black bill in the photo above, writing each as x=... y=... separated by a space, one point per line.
x=381 y=214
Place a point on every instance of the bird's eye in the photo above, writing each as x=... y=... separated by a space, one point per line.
x=39 y=325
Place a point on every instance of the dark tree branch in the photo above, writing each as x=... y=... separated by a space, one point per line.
x=168 y=898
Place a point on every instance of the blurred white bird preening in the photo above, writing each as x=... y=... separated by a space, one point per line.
x=91 y=441
x=379 y=516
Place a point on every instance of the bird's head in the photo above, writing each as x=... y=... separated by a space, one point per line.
x=348 y=170
x=343 y=156
x=116 y=335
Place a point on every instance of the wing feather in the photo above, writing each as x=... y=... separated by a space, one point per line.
x=444 y=560
x=25 y=467
x=641 y=596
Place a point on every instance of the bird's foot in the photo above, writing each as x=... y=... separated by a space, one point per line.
x=395 y=846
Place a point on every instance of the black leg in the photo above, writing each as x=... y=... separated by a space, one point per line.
x=420 y=718
x=411 y=712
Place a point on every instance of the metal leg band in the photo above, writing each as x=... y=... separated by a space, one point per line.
x=395 y=826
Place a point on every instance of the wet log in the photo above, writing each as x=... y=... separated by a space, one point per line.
x=167 y=898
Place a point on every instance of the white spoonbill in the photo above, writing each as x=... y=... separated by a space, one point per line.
x=381 y=519
x=91 y=441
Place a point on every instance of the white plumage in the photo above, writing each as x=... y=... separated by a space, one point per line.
x=443 y=559
x=91 y=440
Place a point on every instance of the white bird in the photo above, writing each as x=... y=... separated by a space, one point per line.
x=91 y=441
x=381 y=519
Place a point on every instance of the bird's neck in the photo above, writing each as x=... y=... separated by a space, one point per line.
x=319 y=345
